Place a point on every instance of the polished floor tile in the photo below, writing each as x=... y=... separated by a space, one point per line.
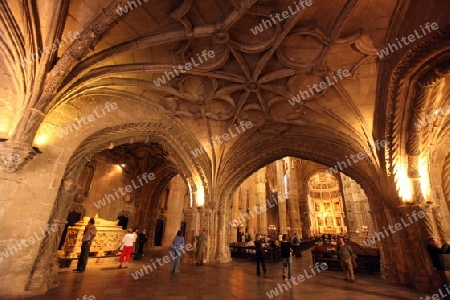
x=236 y=280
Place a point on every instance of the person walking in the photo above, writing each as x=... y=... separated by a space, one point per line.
x=259 y=243
x=90 y=231
x=201 y=238
x=437 y=258
x=176 y=251
x=286 y=256
x=127 y=243
x=345 y=255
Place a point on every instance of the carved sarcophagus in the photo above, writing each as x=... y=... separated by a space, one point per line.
x=108 y=239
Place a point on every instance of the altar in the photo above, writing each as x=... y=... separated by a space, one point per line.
x=108 y=239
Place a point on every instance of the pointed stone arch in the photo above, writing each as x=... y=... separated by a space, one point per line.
x=167 y=137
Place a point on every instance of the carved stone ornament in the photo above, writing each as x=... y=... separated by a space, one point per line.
x=14 y=155
x=108 y=239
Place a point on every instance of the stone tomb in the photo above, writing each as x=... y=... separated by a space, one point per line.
x=108 y=239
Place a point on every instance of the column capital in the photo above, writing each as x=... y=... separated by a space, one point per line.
x=15 y=155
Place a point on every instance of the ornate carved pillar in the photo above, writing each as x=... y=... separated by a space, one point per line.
x=261 y=200
x=293 y=201
x=243 y=203
x=441 y=227
x=219 y=235
x=234 y=213
x=174 y=213
x=252 y=199
x=281 y=196
x=192 y=218
x=414 y=235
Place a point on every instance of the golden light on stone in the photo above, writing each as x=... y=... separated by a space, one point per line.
x=40 y=140
x=190 y=195
x=118 y=168
x=200 y=200
x=424 y=177
x=404 y=184
x=4 y=124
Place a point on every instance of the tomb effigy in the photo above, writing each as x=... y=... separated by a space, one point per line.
x=108 y=239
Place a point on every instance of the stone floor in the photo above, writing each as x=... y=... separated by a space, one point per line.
x=236 y=280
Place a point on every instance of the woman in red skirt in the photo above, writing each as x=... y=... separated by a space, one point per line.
x=127 y=243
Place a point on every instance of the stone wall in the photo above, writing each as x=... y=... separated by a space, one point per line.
x=105 y=184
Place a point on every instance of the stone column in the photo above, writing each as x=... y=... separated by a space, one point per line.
x=233 y=226
x=174 y=213
x=243 y=204
x=293 y=202
x=192 y=218
x=413 y=234
x=281 y=196
x=218 y=237
x=261 y=200
x=252 y=198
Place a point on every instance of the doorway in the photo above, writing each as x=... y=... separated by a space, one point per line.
x=159 y=231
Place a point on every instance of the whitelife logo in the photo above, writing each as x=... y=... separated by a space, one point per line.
x=319 y=87
x=49 y=229
x=165 y=260
x=441 y=112
x=90 y=118
x=281 y=17
x=398 y=226
x=258 y=210
x=274 y=292
x=355 y=158
x=86 y=297
x=54 y=47
x=411 y=38
x=436 y=296
x=225 y=137
x=122 y=10
x=128 y=189
x=186 y=66
x=9 y=160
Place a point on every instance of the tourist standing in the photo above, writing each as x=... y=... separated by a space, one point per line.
x=176 y=250
x=90 y=231
x=296 y=246
x=142 y=241
x=259 y=244
x=437 y=258
x=201 y=238
x=286 y=255
x=127 y=243
x=345 y=254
